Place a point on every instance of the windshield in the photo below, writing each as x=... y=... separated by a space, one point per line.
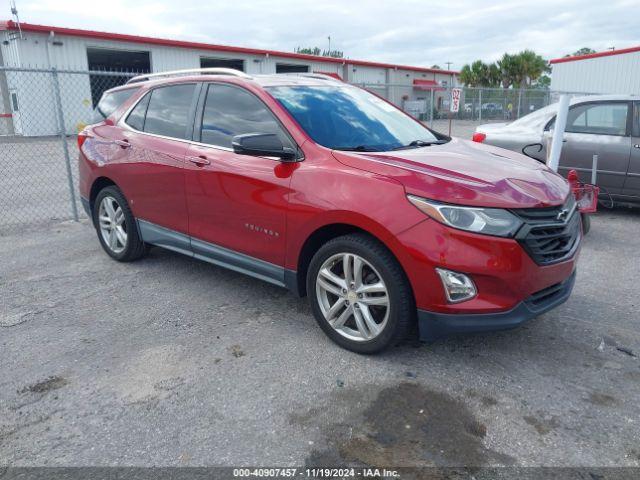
x=349 y=118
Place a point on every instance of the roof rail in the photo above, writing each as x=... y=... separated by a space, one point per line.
x=205 y=71
x=319 y=76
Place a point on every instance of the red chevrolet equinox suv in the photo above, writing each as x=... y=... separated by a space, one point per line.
x=332 y=192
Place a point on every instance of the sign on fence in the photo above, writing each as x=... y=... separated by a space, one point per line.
x=456 y=93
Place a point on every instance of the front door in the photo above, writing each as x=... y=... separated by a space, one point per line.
x=237 y=203
x=598 y=128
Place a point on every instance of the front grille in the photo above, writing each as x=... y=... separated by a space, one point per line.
x=545 y=237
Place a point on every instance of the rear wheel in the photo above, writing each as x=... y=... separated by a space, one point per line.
x=359 y=294
x=116 y=226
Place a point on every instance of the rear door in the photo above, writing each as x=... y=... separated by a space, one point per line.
x=598 y=128
x=238 y=202
x=155 y=135
x=632 y=182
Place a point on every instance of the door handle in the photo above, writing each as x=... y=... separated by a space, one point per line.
x=122 y=143
x=200 y=160
x=637 y=145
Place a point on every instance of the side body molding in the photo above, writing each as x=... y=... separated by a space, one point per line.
x=224 y=257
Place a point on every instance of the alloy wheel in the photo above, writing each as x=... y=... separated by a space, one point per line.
x=353 y=297
x=113 y=227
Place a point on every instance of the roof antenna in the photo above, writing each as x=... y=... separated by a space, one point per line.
x=16 y=18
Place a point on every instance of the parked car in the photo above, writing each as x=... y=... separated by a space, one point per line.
x=326 y=189
x=607 y=126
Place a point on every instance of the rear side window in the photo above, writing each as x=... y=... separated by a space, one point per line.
x=230 y=111
x=599 y=118
x=168 y=111
x=110 y=101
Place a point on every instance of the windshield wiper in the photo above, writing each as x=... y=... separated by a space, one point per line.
x=421 y=143
x=358 y=148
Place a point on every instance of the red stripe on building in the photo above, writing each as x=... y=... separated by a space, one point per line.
x=608 y=53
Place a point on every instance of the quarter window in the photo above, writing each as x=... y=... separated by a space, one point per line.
x=230 y=111
x=110 y=102
x=168 y=111
x=598 y=118
x=136 y=117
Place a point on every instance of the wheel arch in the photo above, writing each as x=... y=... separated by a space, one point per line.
x=324 y=233
x=97 y=185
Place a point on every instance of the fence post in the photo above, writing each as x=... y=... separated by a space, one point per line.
x=480 y=104
x=431 y=110
x=63 y=139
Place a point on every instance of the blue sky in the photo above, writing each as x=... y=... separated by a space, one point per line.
x=403 y=31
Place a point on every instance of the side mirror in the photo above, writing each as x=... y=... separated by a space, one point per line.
x=262 y=145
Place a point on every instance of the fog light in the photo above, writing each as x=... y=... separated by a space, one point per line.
x=457 y=286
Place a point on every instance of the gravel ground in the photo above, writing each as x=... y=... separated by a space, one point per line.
x=171 y=362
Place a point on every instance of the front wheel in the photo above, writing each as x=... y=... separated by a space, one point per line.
x=359 y=294
x=116 y=225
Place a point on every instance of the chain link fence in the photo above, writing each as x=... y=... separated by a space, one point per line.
x=477 y=105
x=41 y=112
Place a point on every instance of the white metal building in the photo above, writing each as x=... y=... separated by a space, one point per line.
x=614 y=71
x=40 y=46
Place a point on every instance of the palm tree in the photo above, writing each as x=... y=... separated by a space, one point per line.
x=532 y=66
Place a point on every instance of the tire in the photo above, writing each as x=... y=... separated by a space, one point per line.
x=380 y=271
x=133 y=247
x=586 y=223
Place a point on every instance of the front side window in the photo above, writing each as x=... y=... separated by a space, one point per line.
x=168 y=110
x=230 y=111
x=110 y=101
x=598 y=118
x=349 y=118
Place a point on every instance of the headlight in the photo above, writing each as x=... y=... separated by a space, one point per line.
x=488 y=221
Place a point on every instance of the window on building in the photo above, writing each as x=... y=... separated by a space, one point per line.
x=599 y=118
x=236 y=64
x=116 y=61
x=289 y=68
x=230 y=111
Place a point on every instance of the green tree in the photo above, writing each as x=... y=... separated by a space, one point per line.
x=582 y=51
x=531 y=67
x=479 y=74
x=319 y=52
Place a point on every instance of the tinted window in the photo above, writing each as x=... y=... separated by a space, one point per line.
x=344 y=117
x=598 y=118
x=230 y=111
x=110 y=102
x=136 y=116
x=168 y=111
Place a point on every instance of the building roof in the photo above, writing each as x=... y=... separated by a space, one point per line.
x=608 y=53
x=29 y=27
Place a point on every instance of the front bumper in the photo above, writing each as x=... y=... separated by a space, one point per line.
x=434 y=325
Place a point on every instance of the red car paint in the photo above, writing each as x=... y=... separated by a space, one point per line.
x=268 y=209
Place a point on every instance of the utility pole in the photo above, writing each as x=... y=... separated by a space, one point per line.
x=329 y=38
x=449 y=65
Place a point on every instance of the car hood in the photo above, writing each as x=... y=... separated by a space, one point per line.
x=466 y=173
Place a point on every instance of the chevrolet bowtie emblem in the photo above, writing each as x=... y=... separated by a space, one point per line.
x=562 y=214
